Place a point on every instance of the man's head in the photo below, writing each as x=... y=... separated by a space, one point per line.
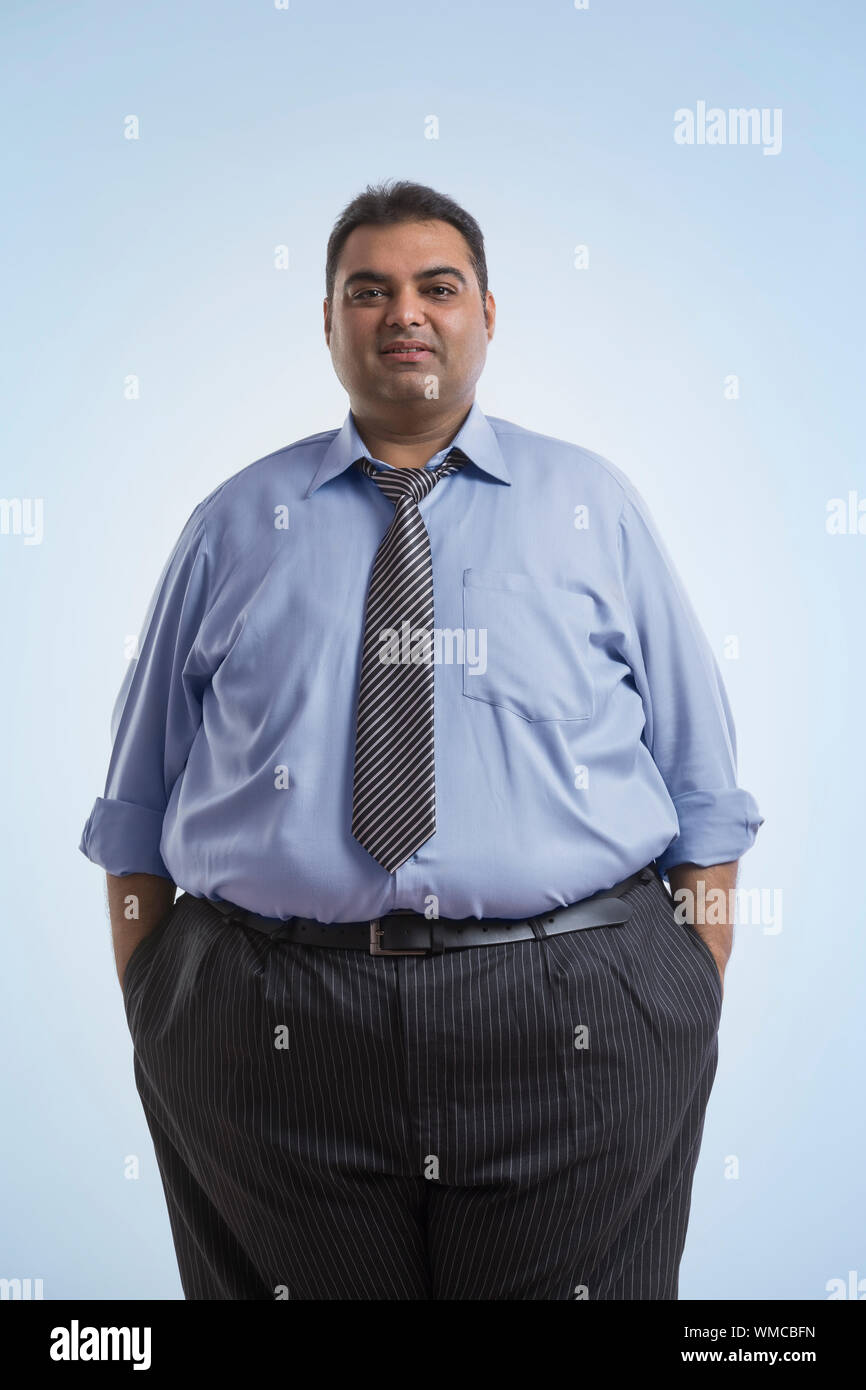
x=407 y=264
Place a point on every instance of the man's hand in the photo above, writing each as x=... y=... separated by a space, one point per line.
x=702 y=903
x=136 y=903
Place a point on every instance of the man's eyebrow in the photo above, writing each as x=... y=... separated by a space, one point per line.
x=379 y=279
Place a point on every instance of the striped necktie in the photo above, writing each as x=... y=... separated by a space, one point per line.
x=394 y=801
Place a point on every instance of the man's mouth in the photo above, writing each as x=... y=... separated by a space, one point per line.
x=407 y=350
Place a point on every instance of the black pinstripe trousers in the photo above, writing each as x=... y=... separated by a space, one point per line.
x=518 y=1121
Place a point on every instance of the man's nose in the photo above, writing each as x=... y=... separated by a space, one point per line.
x=406 y=308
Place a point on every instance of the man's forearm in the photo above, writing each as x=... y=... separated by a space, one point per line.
x=710 y=913
x=136 y=903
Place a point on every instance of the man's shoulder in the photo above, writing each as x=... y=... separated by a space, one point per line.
x=520 y=443
x=251 y=477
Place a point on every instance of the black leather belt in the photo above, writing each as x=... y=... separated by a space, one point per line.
x=405 y=933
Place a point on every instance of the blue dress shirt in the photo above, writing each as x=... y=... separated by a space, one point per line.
x=581 y=723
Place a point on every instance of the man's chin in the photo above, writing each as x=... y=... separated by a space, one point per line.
x=405 y=386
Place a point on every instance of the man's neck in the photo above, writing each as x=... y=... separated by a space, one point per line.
x=405 y=447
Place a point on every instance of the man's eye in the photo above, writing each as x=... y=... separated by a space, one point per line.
x=447 y=288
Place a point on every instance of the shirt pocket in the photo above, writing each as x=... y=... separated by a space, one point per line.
x=537 y=646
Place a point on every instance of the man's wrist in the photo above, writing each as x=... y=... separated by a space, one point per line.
x=705 y=896
x=136 y=904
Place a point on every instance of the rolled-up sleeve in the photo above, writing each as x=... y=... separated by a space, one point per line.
x=689 y=728
x=155 y=717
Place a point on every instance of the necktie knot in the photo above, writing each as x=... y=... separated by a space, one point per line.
x=412 y=484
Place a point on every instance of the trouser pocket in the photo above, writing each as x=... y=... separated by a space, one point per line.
x=146 y=947
x=698 y=950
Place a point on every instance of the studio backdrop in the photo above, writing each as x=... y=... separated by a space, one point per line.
x=672 y=202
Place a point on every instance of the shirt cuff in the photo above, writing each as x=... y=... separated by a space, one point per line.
x=124 y=839
x=715 y=828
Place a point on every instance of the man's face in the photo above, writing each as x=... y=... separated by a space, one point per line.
x=384 y=292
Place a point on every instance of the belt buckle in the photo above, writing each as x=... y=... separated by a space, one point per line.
x=377 y=931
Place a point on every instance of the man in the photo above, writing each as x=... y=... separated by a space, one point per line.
x=420 y=717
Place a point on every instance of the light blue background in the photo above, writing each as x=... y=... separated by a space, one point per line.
x=156 y=257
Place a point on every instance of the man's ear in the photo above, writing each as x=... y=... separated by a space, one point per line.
x=491 y=316
x=327 y=321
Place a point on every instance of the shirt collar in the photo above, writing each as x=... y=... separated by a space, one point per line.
x=476 y=437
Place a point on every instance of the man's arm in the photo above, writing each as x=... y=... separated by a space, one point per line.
x=136 y=903
x=718 y=933
x=154 y=723
x=688 y=724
